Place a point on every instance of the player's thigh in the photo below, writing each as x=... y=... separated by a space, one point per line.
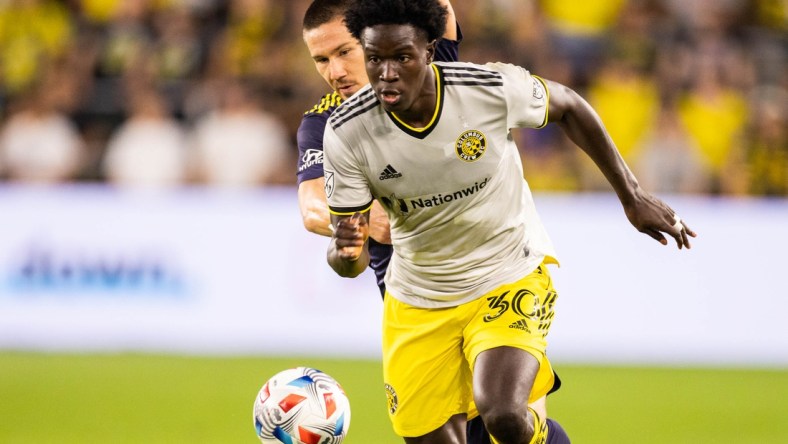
x=502 y=380
x=516 y=315
x=426 y=375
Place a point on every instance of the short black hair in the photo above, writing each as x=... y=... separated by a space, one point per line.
x=426 y=15
x=321 y=12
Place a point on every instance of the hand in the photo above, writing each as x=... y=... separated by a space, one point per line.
x=350 y=235
x=652 y=216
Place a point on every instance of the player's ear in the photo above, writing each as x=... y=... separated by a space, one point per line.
x=431 y=48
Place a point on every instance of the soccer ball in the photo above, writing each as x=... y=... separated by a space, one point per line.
x=301 y=406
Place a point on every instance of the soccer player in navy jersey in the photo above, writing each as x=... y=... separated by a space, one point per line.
x=469 y=299
x=339 y=60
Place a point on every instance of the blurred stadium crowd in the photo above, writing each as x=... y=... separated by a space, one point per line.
x=171 y=92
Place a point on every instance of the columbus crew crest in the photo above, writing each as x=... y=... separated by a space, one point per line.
x=391 y=399
x=470 y=146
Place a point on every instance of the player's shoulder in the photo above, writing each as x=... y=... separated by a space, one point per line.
x=507 y=68
x=313 y=122
x=354 y=108
x=470 y=74
x=326 y=105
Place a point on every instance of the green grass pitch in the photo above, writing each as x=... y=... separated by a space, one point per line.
x=131 y=398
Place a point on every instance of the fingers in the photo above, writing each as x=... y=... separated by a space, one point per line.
x=689 y=231
x=685 y=238
x=656 y=235
x=653 y=218
x=679 y=240
x=681 y=232
x=350 y=236
x=352 y=224
x=676 y=231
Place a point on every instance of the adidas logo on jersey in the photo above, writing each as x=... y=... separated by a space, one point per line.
x=389 y=173
x=520 y=325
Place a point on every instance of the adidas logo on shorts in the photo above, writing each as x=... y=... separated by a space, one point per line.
x=520 y=325
x=389 y=173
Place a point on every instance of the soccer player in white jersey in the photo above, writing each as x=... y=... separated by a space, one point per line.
x=339 y=60
x=469 y=299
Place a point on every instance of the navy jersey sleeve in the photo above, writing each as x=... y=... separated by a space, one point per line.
x=310 y=146
x=449 y=50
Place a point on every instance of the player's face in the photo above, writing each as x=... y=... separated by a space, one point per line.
x=397 y=62
x=337 y=56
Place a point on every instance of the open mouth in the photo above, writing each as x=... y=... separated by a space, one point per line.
x=389 y=97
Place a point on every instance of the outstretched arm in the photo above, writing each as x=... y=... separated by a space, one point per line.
x=348 y=252
x=582 y=124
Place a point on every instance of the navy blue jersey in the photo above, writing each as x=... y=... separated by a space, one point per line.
x=310 y=150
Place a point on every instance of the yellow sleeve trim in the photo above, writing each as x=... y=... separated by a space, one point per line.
x=329 y=100
x=547 y=101
x=349 y=211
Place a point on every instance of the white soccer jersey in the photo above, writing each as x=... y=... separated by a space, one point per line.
x=462 y=217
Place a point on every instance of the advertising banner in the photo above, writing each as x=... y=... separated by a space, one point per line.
x=90 y=268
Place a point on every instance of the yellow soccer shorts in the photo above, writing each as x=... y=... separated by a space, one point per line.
x=428 y=354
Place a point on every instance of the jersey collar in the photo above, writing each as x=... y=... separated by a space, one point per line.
x=421 y=133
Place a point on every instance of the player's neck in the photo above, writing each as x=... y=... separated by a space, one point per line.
x=423 y=111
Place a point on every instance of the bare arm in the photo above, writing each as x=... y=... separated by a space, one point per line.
x=451 y=21
x=312 y=203
x=582 y=125
x=348 y=252
x=316 y=218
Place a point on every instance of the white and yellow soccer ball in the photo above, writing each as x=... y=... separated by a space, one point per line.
x=301 y=406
